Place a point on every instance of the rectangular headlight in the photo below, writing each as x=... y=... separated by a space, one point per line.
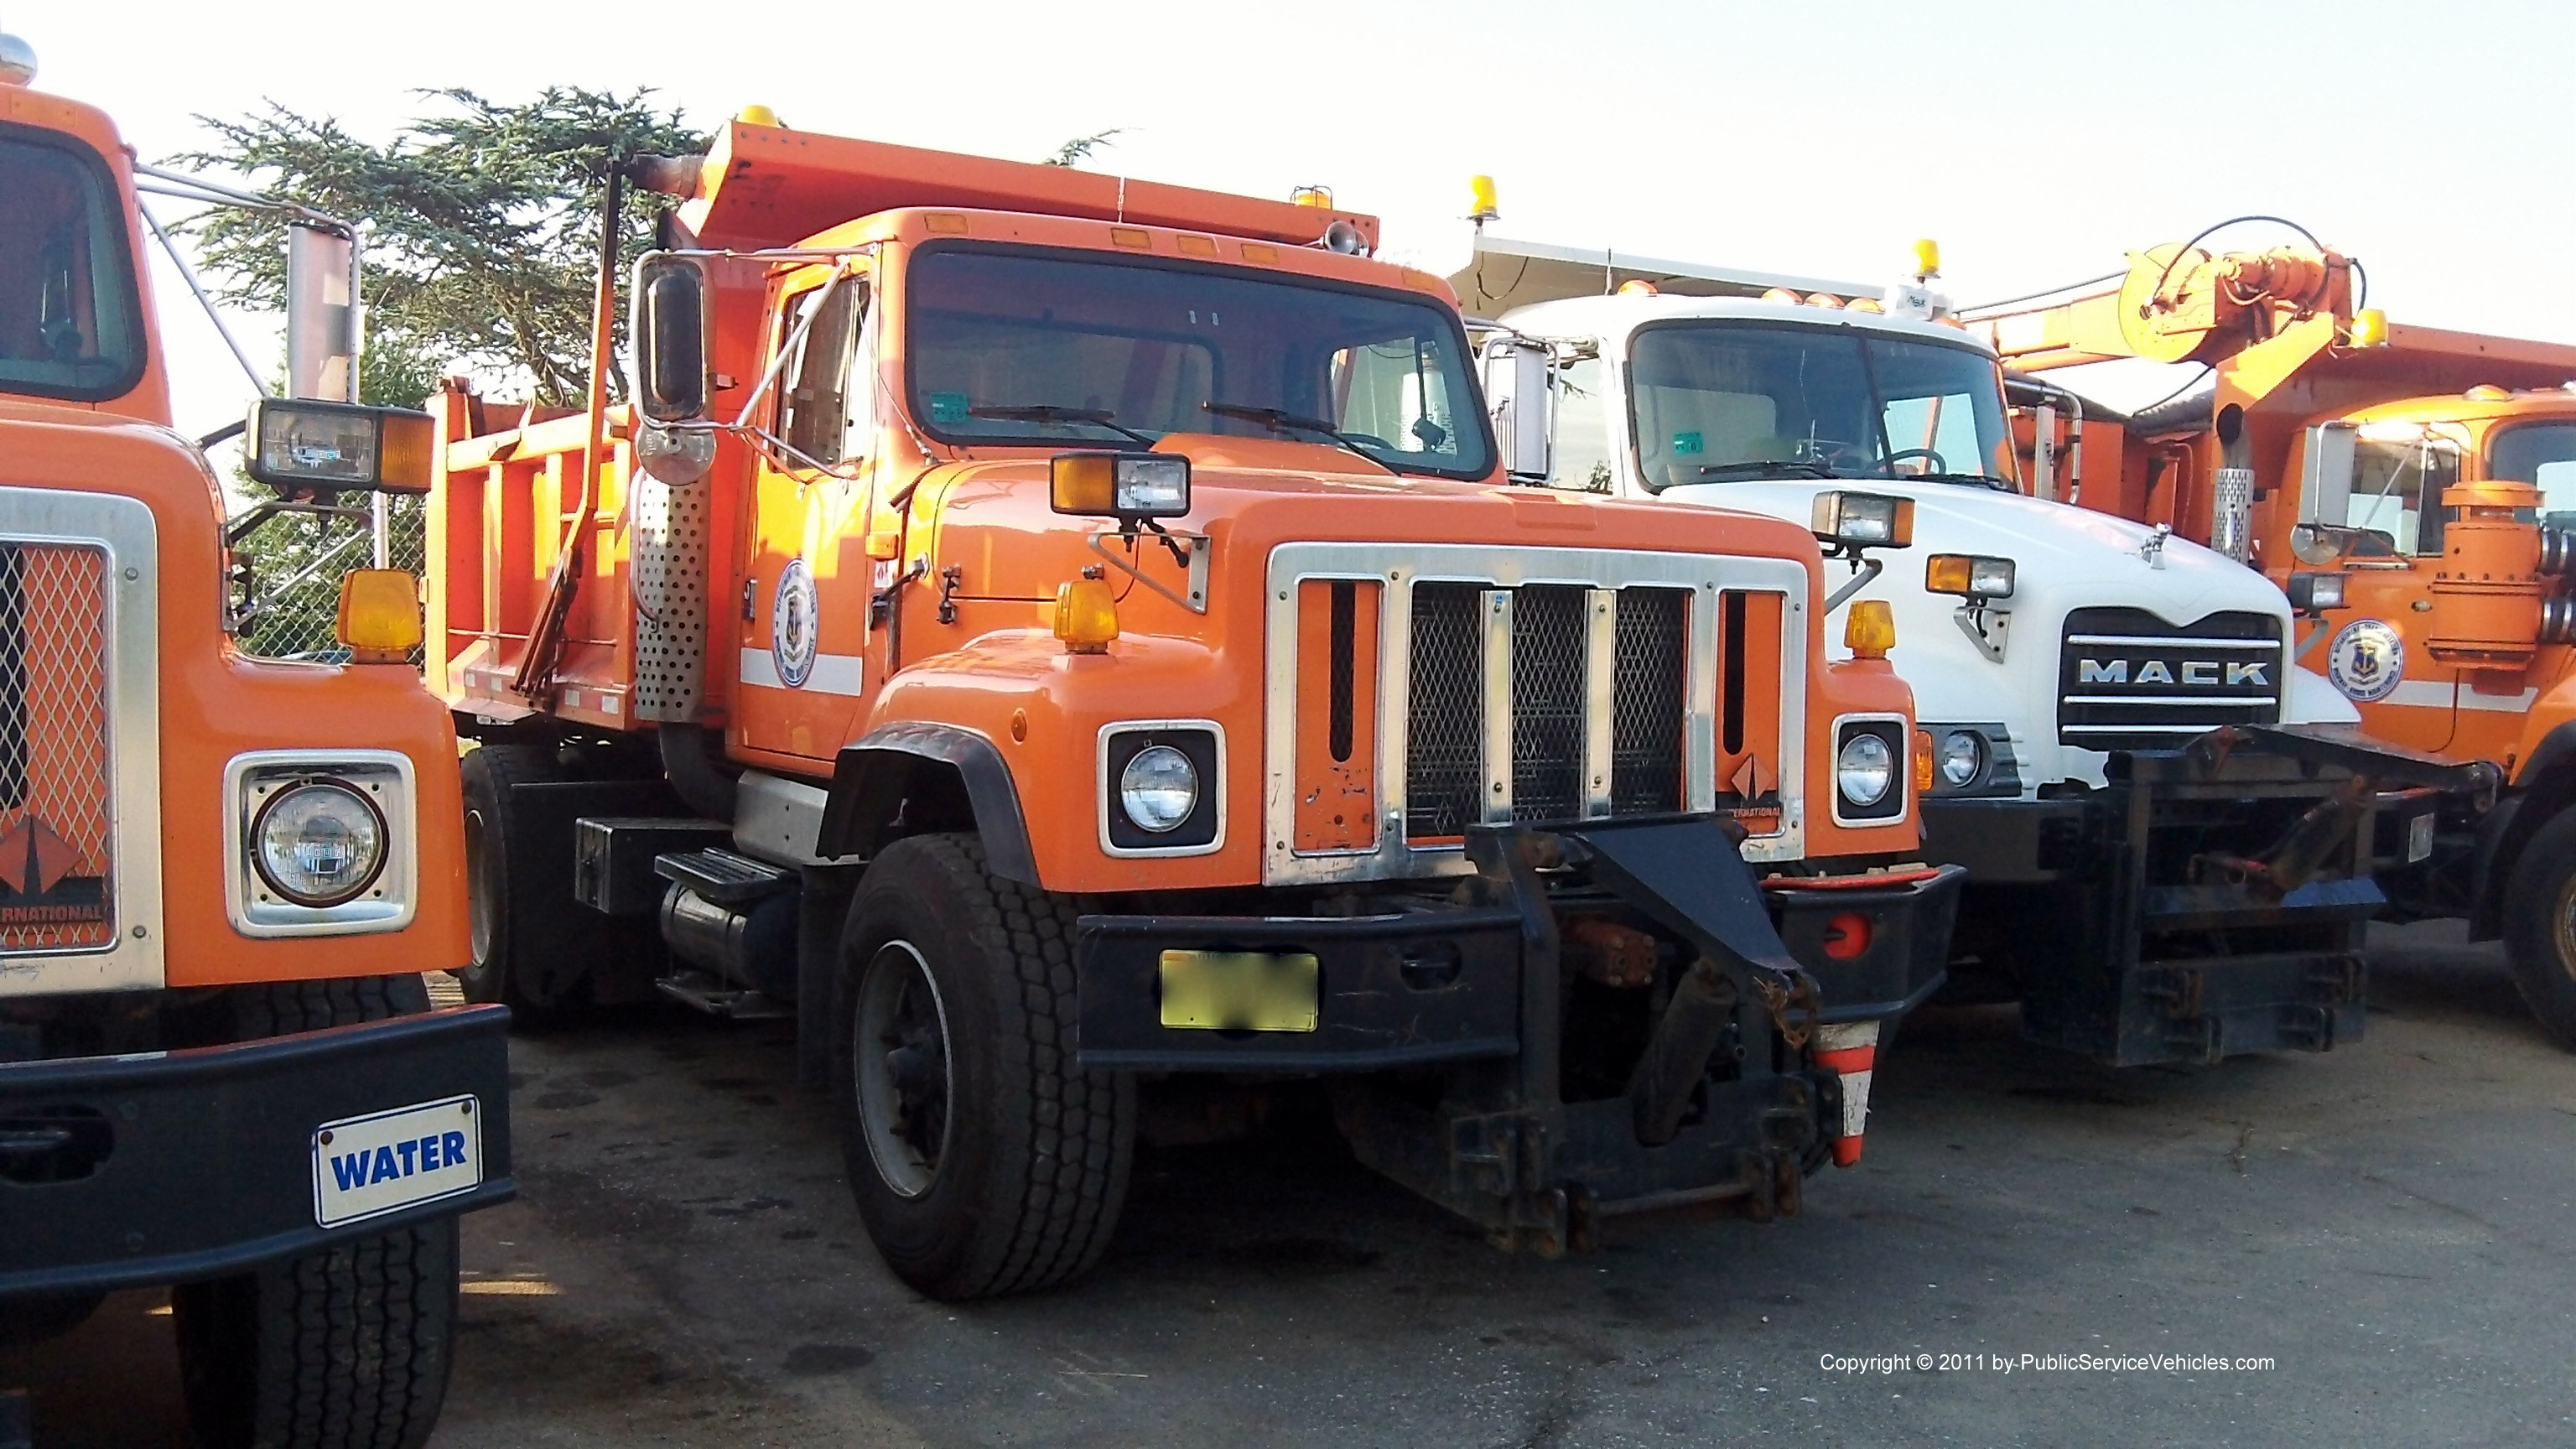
x=2316 y=592
x=1121 y=485
x=1863 y=520
x=305 y=445
x=1969 y=575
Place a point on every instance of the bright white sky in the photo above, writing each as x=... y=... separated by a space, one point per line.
x=2038 y=143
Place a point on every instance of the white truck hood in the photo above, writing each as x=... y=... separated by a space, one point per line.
x=2065 y=558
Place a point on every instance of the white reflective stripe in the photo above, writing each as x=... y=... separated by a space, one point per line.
x=832 y=673
x=2160 y=641
x=2229 y=700
x=1855 y=1103
x=2434 y=694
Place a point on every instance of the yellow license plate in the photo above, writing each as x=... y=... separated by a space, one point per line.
x=1241 y=990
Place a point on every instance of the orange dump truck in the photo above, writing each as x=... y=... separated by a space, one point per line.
x=221 y=878
x=1060 y=638
x=2414 y=491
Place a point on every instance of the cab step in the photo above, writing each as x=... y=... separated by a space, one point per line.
x=718 y=998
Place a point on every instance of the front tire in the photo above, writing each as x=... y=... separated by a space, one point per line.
x=347 y=1347
x=984 y=1161
x=2540 y=927
x=494 y=827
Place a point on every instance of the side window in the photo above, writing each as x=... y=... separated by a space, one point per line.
x=1395 y=394
x=815 y=410
x=1581 y=462
x=1943 y=426
x=2397 y=491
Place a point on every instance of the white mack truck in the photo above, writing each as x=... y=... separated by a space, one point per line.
x=2170 y=828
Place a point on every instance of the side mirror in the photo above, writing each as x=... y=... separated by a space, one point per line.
x=670 y=332
x=1519 y=378
x=321 y=313
x=2325 y=482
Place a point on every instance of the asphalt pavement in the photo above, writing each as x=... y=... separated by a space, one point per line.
x=2365 y=1247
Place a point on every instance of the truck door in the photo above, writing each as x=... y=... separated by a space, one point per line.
x=803 y=664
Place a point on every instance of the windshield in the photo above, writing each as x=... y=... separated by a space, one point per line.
x=68 y=315
x=1103 y=352
x=1716 y=401
x=2543 y=454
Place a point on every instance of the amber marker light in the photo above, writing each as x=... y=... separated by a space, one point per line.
x=2370 y=328
x=380 y=615
x=1922 y=761
x=1869 y=631
x=1481 y=204
x=1086 y=616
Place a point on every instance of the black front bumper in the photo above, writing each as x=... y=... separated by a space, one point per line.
x=1445 y=983
x=1532 y=1107
x=128 y=1171
x=2138 y=921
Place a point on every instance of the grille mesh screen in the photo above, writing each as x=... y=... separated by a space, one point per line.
x=1647 y=706
x=1548 y=647
x=1444 y=772
x=54 y=780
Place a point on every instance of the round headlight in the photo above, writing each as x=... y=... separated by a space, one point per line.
x=1963 y=757
x=1159 y=788
x=1864 y=768
x=318 y=843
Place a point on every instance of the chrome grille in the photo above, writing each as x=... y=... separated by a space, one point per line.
x=2128 y=680
x=1444 y=772
x=1649 y=702
x=1548 y=648
x=55 y=787
x=1598 y=692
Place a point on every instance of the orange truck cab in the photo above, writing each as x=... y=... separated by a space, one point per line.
x=221 y=878
x=1063 y=640
x=2414 y=491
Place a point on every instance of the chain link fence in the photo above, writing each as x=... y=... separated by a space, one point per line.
x=288 y=568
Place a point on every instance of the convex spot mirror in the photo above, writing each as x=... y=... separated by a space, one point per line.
x=303 y=447
x=670 y=332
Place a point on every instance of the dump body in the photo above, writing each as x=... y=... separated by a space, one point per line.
x=2090 y=730
x=1405 y=714
x=165 y=1115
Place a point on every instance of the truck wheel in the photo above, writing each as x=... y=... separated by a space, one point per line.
x=347 y=1347
x=490 y=774
x=984 y=1161
x=2540 y=926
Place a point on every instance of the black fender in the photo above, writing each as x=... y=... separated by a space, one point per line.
x=2547 y=786
x=912 y=776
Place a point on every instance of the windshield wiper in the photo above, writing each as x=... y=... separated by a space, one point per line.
x=1978 y=480
x=1279 y=420
x=1758 y=468
x=1050 y=413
